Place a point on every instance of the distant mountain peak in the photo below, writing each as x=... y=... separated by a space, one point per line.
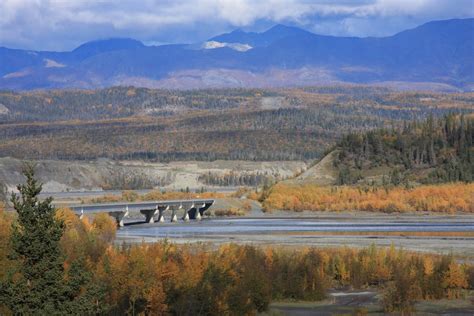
x=237 y=31
x=282 y=30
x=448 y=22
x=106 y=45
x=114 y=41
x=281 y=27
x=456 y=26
x=263 y=39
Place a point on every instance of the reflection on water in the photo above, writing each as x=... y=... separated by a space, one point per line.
x=267 y=226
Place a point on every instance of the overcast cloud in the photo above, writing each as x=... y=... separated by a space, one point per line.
x=64 y=24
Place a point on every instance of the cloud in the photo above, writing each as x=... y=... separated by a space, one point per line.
x=64 y=24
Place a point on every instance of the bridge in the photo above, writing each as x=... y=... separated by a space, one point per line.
x=154 y=211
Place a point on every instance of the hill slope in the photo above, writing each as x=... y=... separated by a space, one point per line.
x=434 y=151
x=322 y=173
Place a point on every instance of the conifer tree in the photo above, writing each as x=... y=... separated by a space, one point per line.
x=35 y=246
x=38 y=285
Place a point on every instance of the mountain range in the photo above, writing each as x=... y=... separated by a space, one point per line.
x=435 y=55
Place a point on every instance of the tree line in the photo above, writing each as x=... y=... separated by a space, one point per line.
x=134 y=181
x=232 y=178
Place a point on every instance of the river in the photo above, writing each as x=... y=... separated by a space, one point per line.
x=314 y=232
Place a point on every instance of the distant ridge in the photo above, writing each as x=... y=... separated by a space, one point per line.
x=263 y=39
x=101 y=46
x=434 y=55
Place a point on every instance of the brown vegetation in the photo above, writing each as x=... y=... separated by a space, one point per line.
x=232 y=211
x=446 y=198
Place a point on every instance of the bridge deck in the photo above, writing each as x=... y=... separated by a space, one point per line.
x=136 y=206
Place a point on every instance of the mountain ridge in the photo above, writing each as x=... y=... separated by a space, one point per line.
x=437 y=52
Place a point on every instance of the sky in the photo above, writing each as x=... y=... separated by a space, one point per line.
x=62 y=25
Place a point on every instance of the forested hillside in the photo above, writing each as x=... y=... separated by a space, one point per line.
x=121 y=102
x=248 y=179
x=431 y=151
x=248 y=124
x=117 y=102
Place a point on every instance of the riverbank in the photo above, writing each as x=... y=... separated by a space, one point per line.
x=368 y=302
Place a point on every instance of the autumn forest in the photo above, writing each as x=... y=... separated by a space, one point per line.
x=80 y=271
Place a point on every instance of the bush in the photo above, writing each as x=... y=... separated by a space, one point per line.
x=446 y=198
x=233 y=211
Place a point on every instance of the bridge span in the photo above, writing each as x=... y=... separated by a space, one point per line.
x=154 y=211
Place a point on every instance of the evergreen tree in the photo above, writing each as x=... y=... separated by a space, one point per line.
x=35 y=245
x=38 y=286
x=444 y=146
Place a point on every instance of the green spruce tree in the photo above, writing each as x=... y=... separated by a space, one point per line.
x=36 y=288
x=38 y=285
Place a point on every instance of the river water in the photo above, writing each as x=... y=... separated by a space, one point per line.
x=294 y=232
x=291 y=225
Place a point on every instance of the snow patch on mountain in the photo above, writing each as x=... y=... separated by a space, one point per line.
x=49 y=63
x=235 y=46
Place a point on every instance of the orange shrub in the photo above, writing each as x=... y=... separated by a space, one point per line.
x=446 y=198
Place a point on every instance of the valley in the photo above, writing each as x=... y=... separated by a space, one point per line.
x=257 y=158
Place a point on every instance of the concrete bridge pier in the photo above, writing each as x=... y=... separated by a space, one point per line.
x=150 y=215
x=198 y=215
x=119 y=216
x=198 y=211
x=162 y=210
x=174 y=217
x=186 y=213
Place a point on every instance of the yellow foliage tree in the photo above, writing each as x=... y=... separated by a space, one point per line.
x=454 y=280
